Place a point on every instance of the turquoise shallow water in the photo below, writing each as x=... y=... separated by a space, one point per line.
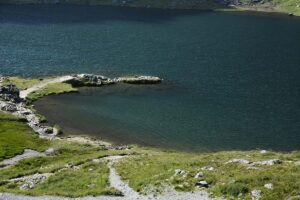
x=231 y=79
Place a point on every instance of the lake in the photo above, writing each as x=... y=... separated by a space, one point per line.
x=231 y=80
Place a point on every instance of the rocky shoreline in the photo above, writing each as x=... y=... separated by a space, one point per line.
x=13 y=100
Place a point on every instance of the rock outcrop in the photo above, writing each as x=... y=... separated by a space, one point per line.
x=9 y=93
x=140 y=79
x=90 y=80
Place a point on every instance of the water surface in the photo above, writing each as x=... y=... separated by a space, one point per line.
x=232 y=79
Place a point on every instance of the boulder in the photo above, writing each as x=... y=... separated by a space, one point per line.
x=179 y=172
x=255 y=194
x=202 y=184
x=50 y=152
x=239 y=161
x=89 y=80
x=10 y=93
x=9 y=107
x=140 y=79
x=207 y=168
x=267 y=162
x=199 y=175
x=269 y=186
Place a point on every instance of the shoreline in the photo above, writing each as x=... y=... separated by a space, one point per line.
x=19 y=102
x=26 y=109
x=136 y=172
x=230 y=8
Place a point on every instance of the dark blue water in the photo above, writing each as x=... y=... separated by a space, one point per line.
x=232 y=80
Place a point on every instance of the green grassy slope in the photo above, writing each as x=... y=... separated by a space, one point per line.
x=145 y=168
x=15 y=136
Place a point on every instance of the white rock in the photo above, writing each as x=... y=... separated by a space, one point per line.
x=207 y=168
x=255 y=194
x=179 y=172
x=239 y=161
x=269 y=186
x=202 y=184
x=263 y=151
x=268 y=162
x=199 y=175
x=50 y=152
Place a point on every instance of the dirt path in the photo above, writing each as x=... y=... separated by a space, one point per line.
x=28 y=153
x=116 y=182
x=24 y=93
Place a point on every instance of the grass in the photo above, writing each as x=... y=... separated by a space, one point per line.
x=157 y=168
x=90 y=179
x=145 y=169
x=15 y=136
x=24 y=83
x=54 y=88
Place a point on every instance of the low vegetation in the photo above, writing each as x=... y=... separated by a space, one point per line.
x=157 y=168
x=24 y=83
x=75 y=174
x=15 y=136
x=53 y=88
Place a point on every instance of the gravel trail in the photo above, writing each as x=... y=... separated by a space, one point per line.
x=28 y=153
x=24 y=93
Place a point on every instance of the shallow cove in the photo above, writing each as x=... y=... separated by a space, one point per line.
x=232 y=79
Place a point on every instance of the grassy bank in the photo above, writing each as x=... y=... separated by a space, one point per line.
x=50 y=89
x=285 y=6
x=89 y=179
x=15 y=136
x=147 y=170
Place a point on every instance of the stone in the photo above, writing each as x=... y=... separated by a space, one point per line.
x=10 y=93
x=263 y=151
x=47 y=129
x=50 y=152
x=255 y=194
x=9 y=107
x=69 y=165
x=199 y=175
x=268 y=162
x=207 y=168
x=239 y=161
x=202 y=184
x=269 y=186
x=29 y=182
x=179 y=172
x=140 y=79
